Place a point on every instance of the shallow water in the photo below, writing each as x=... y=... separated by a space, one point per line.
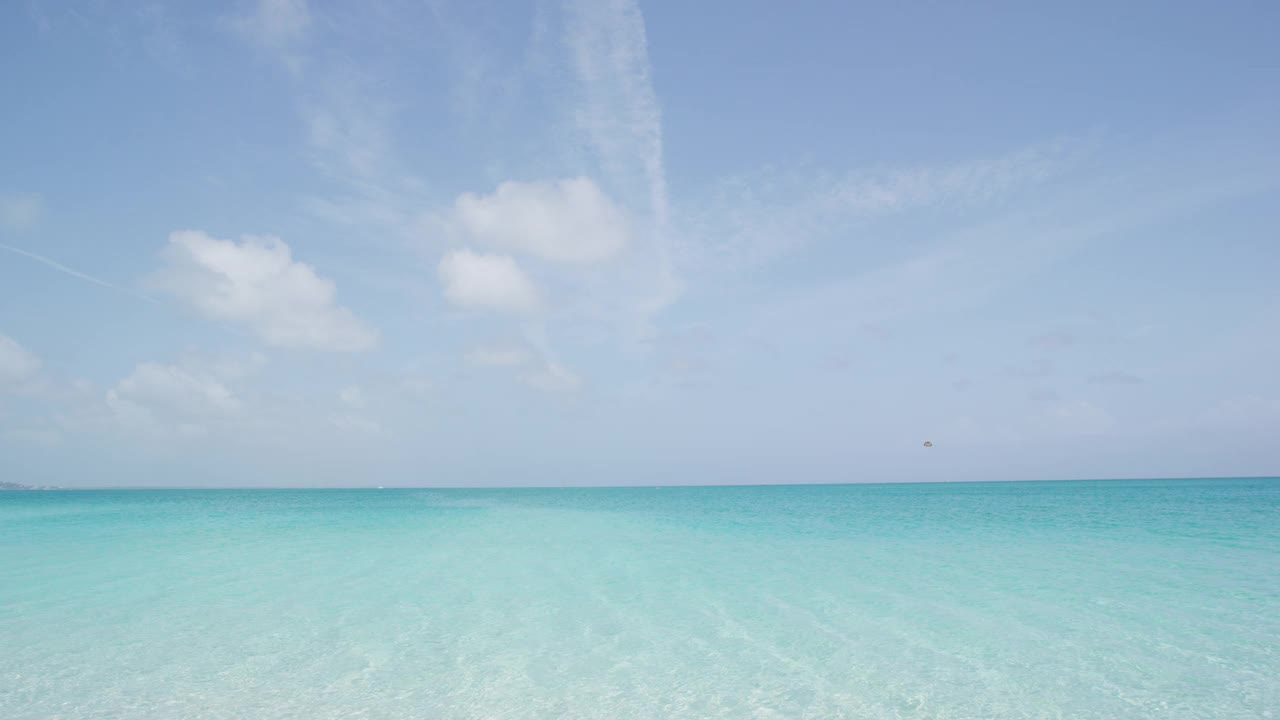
x=992 y=600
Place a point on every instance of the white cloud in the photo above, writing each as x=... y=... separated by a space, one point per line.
x=487 y=282
x=20 y=211
x=17 y=364
x=569 y=220
x=258 y=285
x=171 y=396
x=188 y=397
x=498 y=356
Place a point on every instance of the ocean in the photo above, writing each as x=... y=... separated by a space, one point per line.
x=1116 y=599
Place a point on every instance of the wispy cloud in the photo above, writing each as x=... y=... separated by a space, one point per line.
x=74 y=273
x=345 y=115
x=619 y=112
x=347 y=127
x=618 y=108
x=984 y=257
x=549 y=375
x=749 y=220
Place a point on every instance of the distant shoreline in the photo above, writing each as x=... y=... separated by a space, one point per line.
x=19 y=487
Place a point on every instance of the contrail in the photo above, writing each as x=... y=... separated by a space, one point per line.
x=75 y=273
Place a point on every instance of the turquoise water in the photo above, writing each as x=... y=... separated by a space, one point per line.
x=1153 y=599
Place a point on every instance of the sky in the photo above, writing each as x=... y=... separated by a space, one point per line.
x=601 y=242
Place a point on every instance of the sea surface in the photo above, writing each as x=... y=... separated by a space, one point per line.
x=1121 y=599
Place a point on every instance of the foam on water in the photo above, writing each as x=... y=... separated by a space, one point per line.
x=1023 y=600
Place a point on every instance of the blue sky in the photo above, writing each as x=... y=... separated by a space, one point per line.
x=292 y=242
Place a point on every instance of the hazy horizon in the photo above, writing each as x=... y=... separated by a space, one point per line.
x=1187 y=478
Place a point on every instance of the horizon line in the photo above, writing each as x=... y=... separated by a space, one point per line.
x=636 y=487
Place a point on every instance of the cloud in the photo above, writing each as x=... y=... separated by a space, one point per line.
x=977 y=181
x=618 y=110
x=618 y=107
x=21 y=211
x=17 y=364
x=975 y=265
x=749 y=220
x=569 y=221
x=347 y=128
x=214 y=397
x=487 y=282
x=257 y=284
x=344 y=109
x=1116 y=377
x=508 y=356
x=157 y=396
x=175 y=386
